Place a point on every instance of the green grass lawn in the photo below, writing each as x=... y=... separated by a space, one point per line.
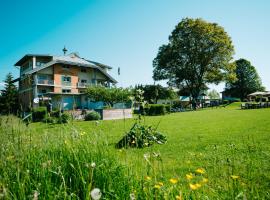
x=230 y=145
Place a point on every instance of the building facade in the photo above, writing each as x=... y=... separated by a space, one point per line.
x=60 y=80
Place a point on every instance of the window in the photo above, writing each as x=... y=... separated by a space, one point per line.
x=83 y=81
x=43 y=91
x=42 y=77
x=65 y=67
x=66 y=91
x=39 y=63
x=83 y=70
x=66 y=79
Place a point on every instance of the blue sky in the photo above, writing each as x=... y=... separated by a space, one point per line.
x=126 y=33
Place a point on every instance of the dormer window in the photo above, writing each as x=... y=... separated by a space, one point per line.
x=39 y=64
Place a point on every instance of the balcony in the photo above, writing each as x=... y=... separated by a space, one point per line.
x=45 y=82
x=83 y=85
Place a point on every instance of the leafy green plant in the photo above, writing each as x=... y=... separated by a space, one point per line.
x=156 y=109
x=93 y=115
x=39 y=114
x=63 y=118
x=141 y=135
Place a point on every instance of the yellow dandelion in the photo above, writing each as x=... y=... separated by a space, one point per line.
x=173 y=180
x=198 y=185
x=82 y=133
x=178 y=197
x=160 y=183
x=148 y=178
x=235 y=176
x=204 y=180
x=157 y=186
x=200 y=170
x=189 y=176
x=193 y=186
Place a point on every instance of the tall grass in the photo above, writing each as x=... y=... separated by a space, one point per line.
x=66 y=168
x=212 y=159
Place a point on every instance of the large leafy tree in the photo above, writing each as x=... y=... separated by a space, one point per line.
x=152 y=93
x=9 y=97
x=198 y=53
x=108 y=95
x=248 y=80
x=213 y=94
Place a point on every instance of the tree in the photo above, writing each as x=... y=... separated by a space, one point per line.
x=213 y=94
x=198 y=53
x=248 y=80
x=9 y=97
x=108 y=95
x=152 y=93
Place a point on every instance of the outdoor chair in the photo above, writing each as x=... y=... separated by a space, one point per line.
x=244 y=106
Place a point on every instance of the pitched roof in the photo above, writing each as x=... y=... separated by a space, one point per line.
x=23 y=59
x=71 y=59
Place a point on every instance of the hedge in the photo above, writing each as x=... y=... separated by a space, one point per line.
x=39 y=114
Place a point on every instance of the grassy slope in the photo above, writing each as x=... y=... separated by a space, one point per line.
x=225 y=141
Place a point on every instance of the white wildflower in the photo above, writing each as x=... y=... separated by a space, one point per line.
x=35 y=195
x=96 y=194
x=132 y=196
x=93 y=165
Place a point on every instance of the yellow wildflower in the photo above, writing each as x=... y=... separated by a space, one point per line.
x=178 y=197
x=195 y=186
x=148 y=178
x=173 y=180
x=234 y=176
x=82 y=133
x=204 y=180
x=160 y=183
x=200 y=170
x=189 y=176
x=157 y=186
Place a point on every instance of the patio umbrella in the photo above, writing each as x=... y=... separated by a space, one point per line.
x=256 y=94
x=266 y=94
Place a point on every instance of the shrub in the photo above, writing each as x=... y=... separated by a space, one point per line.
x=50 y=120
x=64 y=118
x=39 y=114
x=156 y=109
x=141 y=135
x=167 y=108
x=225 y=101
x=55 y=113
x=93 y=115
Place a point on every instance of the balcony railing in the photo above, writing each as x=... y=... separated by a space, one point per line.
x=83 y=85
x=45 y=82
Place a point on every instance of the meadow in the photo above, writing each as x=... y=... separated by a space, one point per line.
x=219 y=153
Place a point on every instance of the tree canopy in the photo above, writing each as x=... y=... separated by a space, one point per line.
x=108 y=95
x=248 y=80
x=213 y=94
x=9 y=97
x=152 y=93
x=198 y=53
